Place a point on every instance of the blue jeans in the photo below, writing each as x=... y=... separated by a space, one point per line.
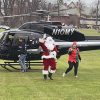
x=22 y=60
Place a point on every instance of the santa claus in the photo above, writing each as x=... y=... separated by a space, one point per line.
x=48 y=56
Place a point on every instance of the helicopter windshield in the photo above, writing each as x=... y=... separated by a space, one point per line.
x=1 y=34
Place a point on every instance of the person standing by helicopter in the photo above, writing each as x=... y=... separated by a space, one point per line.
x=22 y=54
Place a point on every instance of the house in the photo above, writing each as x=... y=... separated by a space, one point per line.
x=67 y=13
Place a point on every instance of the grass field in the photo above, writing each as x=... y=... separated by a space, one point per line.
x=89 y=32
x=31 y=86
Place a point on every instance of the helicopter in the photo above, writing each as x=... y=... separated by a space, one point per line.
x=32 y=31
x=9 y=41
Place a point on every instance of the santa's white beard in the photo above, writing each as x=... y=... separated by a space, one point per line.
x=49 y=46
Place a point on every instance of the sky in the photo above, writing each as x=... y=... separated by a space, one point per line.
x=88 y=2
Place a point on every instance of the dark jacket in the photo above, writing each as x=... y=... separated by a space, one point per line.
x=22 y=48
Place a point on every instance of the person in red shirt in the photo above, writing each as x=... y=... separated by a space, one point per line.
x=49 y=56
x=73 y=59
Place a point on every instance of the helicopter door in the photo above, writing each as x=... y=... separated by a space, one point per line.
x=9 y=40
x=16 y=38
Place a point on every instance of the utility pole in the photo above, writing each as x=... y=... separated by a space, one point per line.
x=58 y=7
x=97 y=10
x=79 y=7
x=59 y=2
x=79 y=11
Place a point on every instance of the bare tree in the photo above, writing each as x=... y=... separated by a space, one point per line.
x=95 y=11
x=34 y=5
x=11 y=6
x=22 y=6
x=1 y=8
x=43 y=4
x=81 y=7
x=59 y=2
x=92 y=11
x=18 y=7
x=7 y=7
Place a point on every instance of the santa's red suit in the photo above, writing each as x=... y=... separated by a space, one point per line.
x=48 y=55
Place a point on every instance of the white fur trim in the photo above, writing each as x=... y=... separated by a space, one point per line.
x=50 y=40
x=41 y=40
x=49 y=68
x=44 y=72
x=46 y=57
x=49 y=46
x=49 y=43
x=53 y=54
x=52 y=71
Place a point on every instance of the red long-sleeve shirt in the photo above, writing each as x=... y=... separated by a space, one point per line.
x=74 y=55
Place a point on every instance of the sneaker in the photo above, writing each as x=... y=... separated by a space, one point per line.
x=45 y=77
x=50 y=76
x=64 y=75
x=25 y=70
x=76 y=76
x=22 y=71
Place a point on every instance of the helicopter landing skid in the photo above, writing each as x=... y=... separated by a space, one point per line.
x=12 y=65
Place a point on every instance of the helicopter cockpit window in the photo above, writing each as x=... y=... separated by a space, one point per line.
x=16 y=38
x=9 y=40
x=33 y=26
x=26 y=26
x=1 y=34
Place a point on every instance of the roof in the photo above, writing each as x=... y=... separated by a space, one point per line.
x=71 y=8
x=12 y=31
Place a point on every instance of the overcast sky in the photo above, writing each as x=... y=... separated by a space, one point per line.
x=86 y=1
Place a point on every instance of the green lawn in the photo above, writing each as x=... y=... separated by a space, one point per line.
x=31 y=86
x=2 y=30
x=89 y=32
